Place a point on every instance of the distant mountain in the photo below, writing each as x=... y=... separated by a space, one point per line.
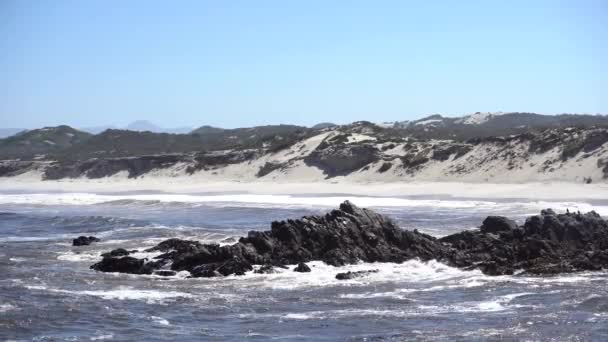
x=139 y=126
x=40 y=142
x=147 y=126
x=97 y=129
x=7 y=132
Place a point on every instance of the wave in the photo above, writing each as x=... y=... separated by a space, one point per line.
x=121 y=293
x=285 y=201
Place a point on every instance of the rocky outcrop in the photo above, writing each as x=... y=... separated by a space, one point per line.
x=547 y=243
x=340 y=237
x=84 y=240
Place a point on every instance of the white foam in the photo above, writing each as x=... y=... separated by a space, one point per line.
x=7 y=307
x=412 y=271
x=78 y=257
x=286 y=201
x=102 y=337
x=17 y=259
x=159 y=320
x=122 y=293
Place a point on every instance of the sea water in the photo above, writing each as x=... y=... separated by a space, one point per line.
x=48 y=292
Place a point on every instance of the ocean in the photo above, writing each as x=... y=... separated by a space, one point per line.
x=48 y=292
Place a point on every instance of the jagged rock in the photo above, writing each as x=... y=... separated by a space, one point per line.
x=302 y=268
x=84 y=240
x=356 y=274
x=546 y=243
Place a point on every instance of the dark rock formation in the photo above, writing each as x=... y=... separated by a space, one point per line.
x=356 y=274
x=545 y=244
x=302 y=268
x=84 y=240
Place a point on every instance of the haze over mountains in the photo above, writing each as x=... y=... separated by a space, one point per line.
x=499 y=147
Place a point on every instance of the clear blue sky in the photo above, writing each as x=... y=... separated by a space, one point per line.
x=242 y=63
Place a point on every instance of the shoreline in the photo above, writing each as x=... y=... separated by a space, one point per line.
x=183 y=185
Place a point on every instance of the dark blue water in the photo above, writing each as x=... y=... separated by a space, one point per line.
x=48 y=292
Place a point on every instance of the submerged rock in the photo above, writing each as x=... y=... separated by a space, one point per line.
x=84 y=240
x=356 y=274
x=545 y=244
x=302 y=268
x=268 y=269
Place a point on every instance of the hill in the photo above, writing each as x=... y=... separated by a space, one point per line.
x=40 y=143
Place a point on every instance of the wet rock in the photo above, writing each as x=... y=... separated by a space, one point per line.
x=302 y=268
x=266 y=269
x=165 y=273
x=117 y=253
x=125 y=264
x=236 y=266
x=84 y=240
x=356 y=274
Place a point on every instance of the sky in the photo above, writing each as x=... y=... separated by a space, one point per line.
x=245 y=63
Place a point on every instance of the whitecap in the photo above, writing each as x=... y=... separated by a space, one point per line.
x=159 y=320
x=123 y=293
x=7 y=307
x=102 y=337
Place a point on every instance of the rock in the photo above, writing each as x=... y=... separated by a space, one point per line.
x=302 y=268
x=356 y=274
x=123 y=265
x=165 y=273
x=266 y=269
x=546 y=244
x=496 y=224
x=236 y=266
x=547 y=212
x=84 y=240
x=116 y=253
